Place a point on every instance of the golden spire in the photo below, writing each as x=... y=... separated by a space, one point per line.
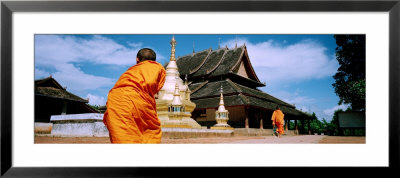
x=173 y=43
x=221 y=107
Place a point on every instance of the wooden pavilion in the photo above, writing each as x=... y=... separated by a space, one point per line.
x=53 y=99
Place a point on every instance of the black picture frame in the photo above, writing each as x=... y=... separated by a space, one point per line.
x=8 y=7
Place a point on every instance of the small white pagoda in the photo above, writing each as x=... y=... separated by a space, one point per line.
x=176 y=108
x=221 y=115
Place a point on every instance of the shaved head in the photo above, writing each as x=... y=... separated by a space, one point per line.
x=146 y=54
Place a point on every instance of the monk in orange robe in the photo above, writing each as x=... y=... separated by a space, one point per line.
x=131 y=115
x=278 y=121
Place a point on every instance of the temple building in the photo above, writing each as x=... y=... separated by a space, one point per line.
x=53 y=99
x=249 y=107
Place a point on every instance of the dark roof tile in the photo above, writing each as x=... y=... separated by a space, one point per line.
x=213 y=89
x=190 y=62
x=57 y=93
x=212 y=61
x=213 y=102
x=230 y=59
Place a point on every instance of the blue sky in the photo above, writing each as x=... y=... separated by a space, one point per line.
x=296 y=68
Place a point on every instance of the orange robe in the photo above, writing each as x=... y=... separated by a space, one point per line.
x=277 y=120
x=131 y=115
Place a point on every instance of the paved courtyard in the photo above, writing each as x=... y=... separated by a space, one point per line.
x=300 y=139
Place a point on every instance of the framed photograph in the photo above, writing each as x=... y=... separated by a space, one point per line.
x=21 y=21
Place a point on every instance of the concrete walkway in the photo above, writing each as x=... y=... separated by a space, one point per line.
x=301 y=139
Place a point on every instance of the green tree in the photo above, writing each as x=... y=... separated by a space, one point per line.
x=350 y=78
x=332 y=128
x=316 y=126
x=95 y=107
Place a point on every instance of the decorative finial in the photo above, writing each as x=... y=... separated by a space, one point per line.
x=193 y=48
x=173 y=43
x=235 y=41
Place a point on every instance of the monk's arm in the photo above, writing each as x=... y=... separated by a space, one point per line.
x=161 y=79
x=273 y=118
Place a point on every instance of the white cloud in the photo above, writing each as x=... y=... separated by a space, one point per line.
x=135 y=45
x=51 y=50
x=96 y=100
x=77 y=80
x=65 y=53
x=289 y=63
x=39 y=74
x=330 y=111
x=297 y=100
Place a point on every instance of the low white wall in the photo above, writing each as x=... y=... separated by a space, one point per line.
x=79 y=125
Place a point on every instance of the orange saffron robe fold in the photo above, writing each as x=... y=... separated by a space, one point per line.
x=131 y=115
x=277 y=118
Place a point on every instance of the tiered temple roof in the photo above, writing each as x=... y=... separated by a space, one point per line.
x=214 y=65
x=49 y=87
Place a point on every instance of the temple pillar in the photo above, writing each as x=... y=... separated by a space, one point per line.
x=309 y=130
x=286 y=125
x=296 y=128
x=246 y=121
x=64 y=108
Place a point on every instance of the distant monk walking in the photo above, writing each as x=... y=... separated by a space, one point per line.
x=278 y=121
x=131 y=115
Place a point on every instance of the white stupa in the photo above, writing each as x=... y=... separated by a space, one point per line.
x=173 y=92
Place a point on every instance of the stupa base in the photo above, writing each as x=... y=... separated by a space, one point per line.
x=184 y=123
x=179 y=133
x=222 y=127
